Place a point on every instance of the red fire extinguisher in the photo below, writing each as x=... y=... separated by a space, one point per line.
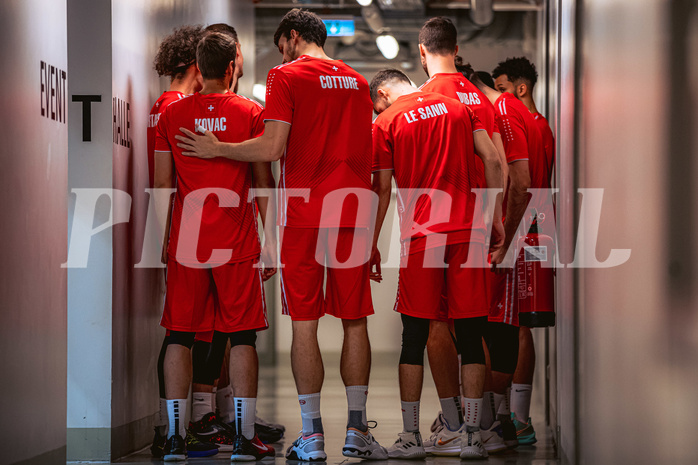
x=535 y=280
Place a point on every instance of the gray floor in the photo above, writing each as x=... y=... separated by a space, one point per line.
x=278 y=402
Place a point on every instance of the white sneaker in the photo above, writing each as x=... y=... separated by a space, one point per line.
x=308 y=448
x=492 y=438
x=408 y=446
x=439 y=421
x=444 y=442
x=363 y=446
x=472 y=447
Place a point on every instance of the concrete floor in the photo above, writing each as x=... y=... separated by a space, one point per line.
x=278 y=403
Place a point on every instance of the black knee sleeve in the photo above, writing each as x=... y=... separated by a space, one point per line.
x=200 y=353
x=244 y=338
x=161 y=368
x=181 y=338
x=469 y=333
x=503 y=343
x=415 y=333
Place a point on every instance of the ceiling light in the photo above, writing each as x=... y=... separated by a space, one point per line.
x=364 y=2
x=259 y=92
x=388 y=46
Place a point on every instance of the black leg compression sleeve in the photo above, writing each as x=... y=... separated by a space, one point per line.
x=469 y=333
x=415 y=332
x=181 y=338
x=503 y=343
x=211 y=367
x=200 y=353
x=243 y=338
x=161 y=368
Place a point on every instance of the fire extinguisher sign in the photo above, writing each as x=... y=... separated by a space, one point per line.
x=537 y=253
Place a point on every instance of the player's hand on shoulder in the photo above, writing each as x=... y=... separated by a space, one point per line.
x=195 y=145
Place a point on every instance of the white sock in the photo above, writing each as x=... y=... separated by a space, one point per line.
x=162 y=417
x=498 y=402
x=410 y=416
x=356 y=401
x=489 y=410
x=213 y=399
x=521 y=401
x=176 y=413
x=245 y=408
x=451 y=409
x=473 y=411
x=310 y=413
x=200 y=405
x=224 y=397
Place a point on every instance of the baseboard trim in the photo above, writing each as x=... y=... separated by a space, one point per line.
x=56 y=456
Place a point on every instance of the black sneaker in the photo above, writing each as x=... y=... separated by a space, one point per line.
x=268 y=432
x=175 y=449
x=196 y=448
x=159 y=441
x=212 y=431
x=245 y=450
x=508 y=431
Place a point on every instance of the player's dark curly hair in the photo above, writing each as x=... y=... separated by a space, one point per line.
x=384 y=76
x=178 y=51
x=308 y=25
x=517 y=69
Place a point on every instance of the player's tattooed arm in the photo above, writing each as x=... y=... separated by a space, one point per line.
x=263 y=182
x=164 y=186
x=382 y=183
x=265 y=148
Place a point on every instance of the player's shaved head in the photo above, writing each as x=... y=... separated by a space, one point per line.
x=177 y=51
x=214 y=53
x=308 y=25
x=223 y=29
x=387 y=77
x=439 y=36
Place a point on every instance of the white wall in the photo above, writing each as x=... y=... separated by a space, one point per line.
x=115 y=308
x=33 y=185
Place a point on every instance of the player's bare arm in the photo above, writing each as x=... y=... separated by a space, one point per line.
x=163 y=181
x=488 y=153
x=381 y=186
x=266 y=148
x=517 y=201
x=497 y=141
x=262 y=178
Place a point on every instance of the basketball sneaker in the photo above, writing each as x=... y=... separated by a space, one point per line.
x=175 y=449
x=363 y=446
x=525 y=433
x=196 y=448
x=408 y=446
x=471 y=447
x=212 y=431
x=493 y=439
x=308 y=448
x=508 y=431
x=246 y=450
x=268 y=432
x=444 y=442
x=159 y=440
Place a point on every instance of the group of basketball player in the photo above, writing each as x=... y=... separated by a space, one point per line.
x=455 y=134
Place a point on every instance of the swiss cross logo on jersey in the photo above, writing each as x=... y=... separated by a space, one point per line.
x=420 y=99
x=210 y=108
x=461 y=83
x=334 y=68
